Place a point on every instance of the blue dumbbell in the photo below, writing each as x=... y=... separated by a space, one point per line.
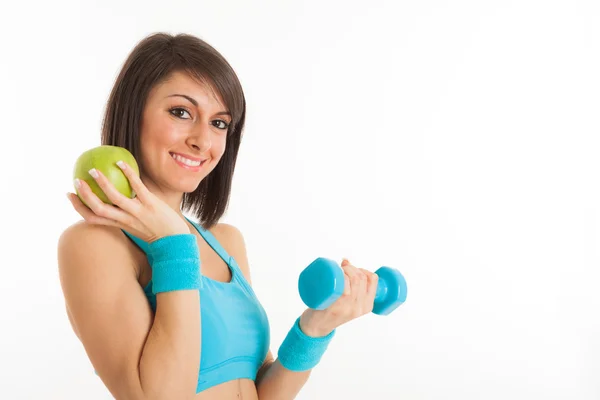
x=322 y=283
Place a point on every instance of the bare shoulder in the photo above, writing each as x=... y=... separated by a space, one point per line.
x=232 y=240
x=82 y=232
x=83 y=244
x=85 y=236
x=228 y=232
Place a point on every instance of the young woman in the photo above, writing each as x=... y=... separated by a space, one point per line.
x=163 y=304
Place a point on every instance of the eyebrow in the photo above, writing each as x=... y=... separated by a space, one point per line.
x=195 y=103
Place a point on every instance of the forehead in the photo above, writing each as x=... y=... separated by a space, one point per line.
x=183 y=83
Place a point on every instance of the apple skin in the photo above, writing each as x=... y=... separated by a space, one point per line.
x=104 y=159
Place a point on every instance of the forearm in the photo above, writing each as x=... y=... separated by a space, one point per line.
x=170 y=359
x=277 y=382
x=299 y=353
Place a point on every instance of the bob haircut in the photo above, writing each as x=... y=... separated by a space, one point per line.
x=152 y=61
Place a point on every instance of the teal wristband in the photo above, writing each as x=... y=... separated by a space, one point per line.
x=175 y=263
x=300 y=352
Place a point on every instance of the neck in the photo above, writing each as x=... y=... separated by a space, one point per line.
x=171 y=198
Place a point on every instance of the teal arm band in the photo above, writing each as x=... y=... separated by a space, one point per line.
x=175 y=263
x=300 y=352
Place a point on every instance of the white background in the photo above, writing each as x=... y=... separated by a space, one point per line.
x=454 y=140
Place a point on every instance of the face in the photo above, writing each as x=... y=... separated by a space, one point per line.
x=183 y=134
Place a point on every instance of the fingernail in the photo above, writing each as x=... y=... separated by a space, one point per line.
x=77 y=183
x=121 y=164
x=93 y=173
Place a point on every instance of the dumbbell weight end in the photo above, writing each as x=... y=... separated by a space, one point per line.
x=391 y=291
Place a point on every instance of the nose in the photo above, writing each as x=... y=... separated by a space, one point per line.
x=200 y=138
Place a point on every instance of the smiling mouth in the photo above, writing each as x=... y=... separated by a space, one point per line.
x=186 y=162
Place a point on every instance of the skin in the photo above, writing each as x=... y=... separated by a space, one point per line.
x=138 y=354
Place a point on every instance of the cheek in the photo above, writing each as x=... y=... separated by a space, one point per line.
x=154 y=140
x=163 y=135
x=219 y=145
x=159 y=130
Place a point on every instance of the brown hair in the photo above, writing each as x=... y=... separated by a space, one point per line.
x=151 y=62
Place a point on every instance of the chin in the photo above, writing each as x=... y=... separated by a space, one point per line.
x=189 y=185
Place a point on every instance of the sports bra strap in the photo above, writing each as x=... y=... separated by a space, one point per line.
x=141 y=244
x=214 y=243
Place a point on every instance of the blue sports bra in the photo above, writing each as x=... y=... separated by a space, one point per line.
x=235 y=328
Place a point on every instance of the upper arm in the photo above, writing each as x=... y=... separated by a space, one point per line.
x=105 y=303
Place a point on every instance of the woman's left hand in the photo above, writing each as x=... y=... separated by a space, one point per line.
x=357 y=300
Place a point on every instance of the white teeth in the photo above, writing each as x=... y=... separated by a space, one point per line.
x=186 y=161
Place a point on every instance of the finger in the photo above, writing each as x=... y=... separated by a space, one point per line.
x=136 y=183
x=92 y=218
x=354 y=278
x=372 y=281
x=347 y=289
x=86 y=213
x=131 y=206
x=362 y=285
x=100 y=208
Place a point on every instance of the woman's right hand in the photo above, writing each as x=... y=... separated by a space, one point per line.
x=145 y=216
x=360 y=287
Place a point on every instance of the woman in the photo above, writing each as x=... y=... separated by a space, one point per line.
x=163 y=305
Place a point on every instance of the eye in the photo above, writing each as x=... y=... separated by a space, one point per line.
x=220 y=124
x=180 y=112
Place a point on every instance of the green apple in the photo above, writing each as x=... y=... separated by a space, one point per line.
x=104 y=159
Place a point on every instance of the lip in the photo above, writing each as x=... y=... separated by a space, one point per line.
x=188 y=156
x=189 y=167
